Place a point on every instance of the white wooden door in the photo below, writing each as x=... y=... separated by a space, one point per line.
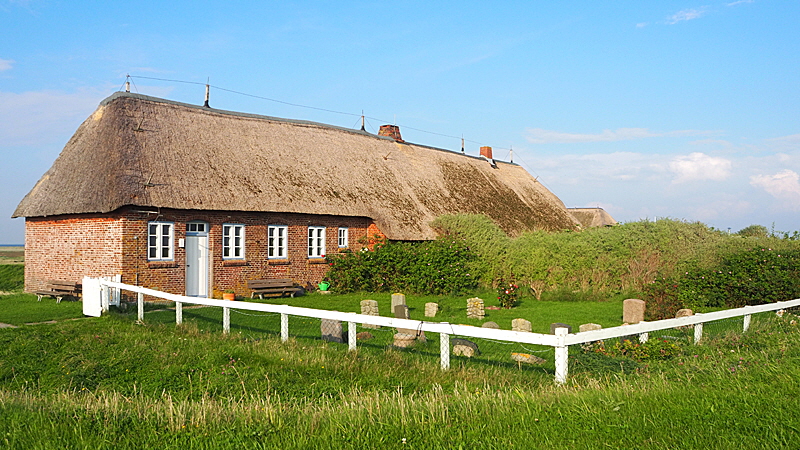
x=197 y=265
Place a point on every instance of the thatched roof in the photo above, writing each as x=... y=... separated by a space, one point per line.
x=145 y=151
x=592 y=217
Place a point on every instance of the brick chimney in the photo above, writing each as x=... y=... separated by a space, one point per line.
x=392 y=131
x=486 y=152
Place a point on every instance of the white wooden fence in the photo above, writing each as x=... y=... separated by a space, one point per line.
x=97 y=292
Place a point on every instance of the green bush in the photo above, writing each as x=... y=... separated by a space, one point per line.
x=12 y=277
x=435 y=267
x=747 y=277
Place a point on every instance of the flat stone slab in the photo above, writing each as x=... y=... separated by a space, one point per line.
x=7 y=325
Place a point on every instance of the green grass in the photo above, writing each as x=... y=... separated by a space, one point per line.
x=19 y=309
x=12 y=277
x=109 y=383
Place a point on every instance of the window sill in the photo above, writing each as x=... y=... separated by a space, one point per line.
x=317 y=261
x=278 y=262
x=161 y=264
x=233 y=262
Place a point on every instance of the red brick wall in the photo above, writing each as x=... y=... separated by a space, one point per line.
x=71 y=247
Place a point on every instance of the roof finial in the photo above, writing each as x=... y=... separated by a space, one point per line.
x=127 y=82
x=462 y=144
x=362 y=121
x=511 y=153
x=207 y=92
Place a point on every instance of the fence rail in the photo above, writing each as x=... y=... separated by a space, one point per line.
x=97 y=292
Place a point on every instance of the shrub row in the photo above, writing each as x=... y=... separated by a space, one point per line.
x=441 y=266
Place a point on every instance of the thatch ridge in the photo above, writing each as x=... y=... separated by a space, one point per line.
x=144 y=151
x=592 y=217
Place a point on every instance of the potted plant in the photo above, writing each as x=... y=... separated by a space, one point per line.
x=229 y=294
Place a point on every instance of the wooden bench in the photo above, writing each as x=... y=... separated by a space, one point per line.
x=59 y=289
x=273 y=287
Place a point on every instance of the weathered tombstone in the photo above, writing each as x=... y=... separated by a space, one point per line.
x=553 y=327
x=588 y=346
x=491 y=325
x=527 y=358
x=633 y=311
x=332 y=330
x=589 y=327
x=431 y=309
x=685 y=313
x=369 y=308
x=397 y=299
x=521 y=325
x=401 y=312
x=464 y=347
x=475 y=308
x=404 y=340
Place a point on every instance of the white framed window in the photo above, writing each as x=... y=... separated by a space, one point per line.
x=277 y=247
x=160 y=241
x=316 y=242
x=343 y=241
x=232 y=241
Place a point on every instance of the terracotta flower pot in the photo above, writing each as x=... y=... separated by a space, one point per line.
x=229 y=296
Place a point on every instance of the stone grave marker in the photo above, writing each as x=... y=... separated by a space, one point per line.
x=431 y=309
x=404 y=340
x=369 y=308
x=527 y=358
x=493 y=325
x=553 y=327
x=401 y=312
x=475 y=308
x=464 y=347
x=398 y=299
x=589 y=327
x=521 y=325
x=332 y=330
x=633 y=311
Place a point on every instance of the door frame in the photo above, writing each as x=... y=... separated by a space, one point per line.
x=199 y=230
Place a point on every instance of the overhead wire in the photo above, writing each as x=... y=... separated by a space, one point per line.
x=309 y=107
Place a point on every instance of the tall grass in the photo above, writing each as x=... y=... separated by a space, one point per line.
x=737 y=391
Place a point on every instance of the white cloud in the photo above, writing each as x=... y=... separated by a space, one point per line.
x=686 y=15
x=699 y=166
x=6 y=64
x=784 y=185
x=542 y=136
x=739 y=2
x=641 y=24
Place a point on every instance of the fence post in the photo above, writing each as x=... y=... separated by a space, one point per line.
x=444 y=350
x=351 y=336
x=226 y=320
x=561 y=356
x=178 y=313
x=284 y=327
x=698 y=332
x=746 y=321
x=140 y=306
x=105 y=296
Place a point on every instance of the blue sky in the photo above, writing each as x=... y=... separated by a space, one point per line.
x=675 y=109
